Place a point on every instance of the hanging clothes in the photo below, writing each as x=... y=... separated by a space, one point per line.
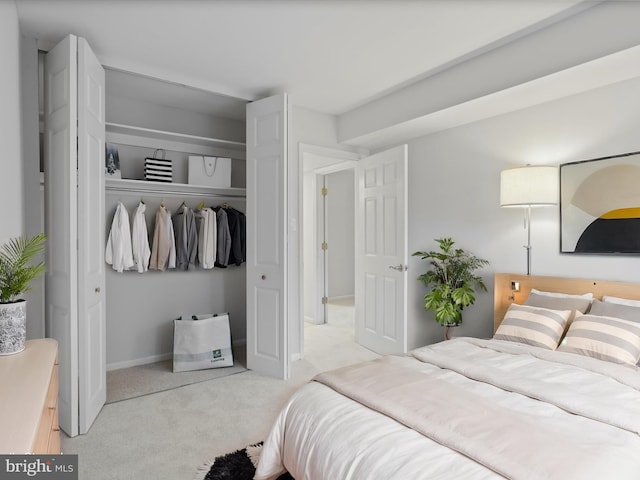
x=140 y=239
x=186 y=233
x=118 y=253
x=237 y=231
x=207 y=237
x=224 y=238
x=163 y=251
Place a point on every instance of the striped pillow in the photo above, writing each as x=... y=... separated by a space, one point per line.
x=536 y=326
x=607 y=338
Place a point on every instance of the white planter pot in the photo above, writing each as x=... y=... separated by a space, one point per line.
x=13 y=327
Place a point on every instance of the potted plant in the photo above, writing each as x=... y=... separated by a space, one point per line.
x=16 y=275
x=451 y=281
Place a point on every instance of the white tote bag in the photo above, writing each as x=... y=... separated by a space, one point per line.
x=210 y=171
x=202 y=342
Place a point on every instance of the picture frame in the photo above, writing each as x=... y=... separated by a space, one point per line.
x=112 y=161
x=600 y=205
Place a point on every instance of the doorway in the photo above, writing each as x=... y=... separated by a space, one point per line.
x=339 y=247
x=328 y=291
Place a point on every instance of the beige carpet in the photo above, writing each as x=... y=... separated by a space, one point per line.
x=127 y=383
x=170 y=434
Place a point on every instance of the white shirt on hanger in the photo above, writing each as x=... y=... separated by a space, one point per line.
x=118 y=253
x=207 y=238
x=140 y=239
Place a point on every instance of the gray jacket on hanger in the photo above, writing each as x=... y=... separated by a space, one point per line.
x=224 y=238
x=186 y=234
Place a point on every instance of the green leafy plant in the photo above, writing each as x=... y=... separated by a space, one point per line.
x=16 y=274
x=451 y=281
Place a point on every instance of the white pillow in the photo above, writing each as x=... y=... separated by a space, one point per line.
x=621 y=301
x=555 y=294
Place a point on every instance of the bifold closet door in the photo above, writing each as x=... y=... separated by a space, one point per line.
x=267 y=332
x=74 y=223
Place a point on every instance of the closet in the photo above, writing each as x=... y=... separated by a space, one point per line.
x=101 y=317
x=144 y=114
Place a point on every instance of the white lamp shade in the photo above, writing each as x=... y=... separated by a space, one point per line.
x=529 y=186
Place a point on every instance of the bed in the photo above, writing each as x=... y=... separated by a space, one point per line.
x=515 y=406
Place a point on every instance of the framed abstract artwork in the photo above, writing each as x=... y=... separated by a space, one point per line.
x=600 y=205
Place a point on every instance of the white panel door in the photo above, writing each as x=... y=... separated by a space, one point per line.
x=74 y=185
x=61 y=222
x=381 y=258
x=91 y=245
x=267 y=333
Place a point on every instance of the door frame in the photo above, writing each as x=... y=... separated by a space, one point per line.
x=315 y=161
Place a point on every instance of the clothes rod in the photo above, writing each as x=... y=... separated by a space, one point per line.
x=173 y=193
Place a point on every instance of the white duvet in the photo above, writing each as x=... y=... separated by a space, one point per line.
x=587 y=409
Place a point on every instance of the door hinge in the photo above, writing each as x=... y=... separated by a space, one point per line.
x=324 y=191
x=325 y=246
x=325 y=300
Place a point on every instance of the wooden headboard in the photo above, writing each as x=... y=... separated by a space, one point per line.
x=503 y=295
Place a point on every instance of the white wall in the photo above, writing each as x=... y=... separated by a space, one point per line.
x=340 y=233
x=20 y=192
x=11 y=178
x=33 y=193
x=454 y=191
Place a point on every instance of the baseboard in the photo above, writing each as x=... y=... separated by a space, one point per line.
x=311 y=320
x=340 y=297
x=136 y=362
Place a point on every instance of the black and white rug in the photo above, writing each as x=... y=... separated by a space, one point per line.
x=238 y=465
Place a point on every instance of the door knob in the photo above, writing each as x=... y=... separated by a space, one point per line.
x=400 y=268
x=97 y=290
x=263 y=277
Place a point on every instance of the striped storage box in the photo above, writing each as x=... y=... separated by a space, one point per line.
x=158 y=168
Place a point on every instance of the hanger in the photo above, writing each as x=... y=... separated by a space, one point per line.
x=142 y=200
x=162 y=203
x=201 y=205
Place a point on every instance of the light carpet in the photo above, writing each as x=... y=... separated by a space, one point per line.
x=127 y=383
x=170 y=434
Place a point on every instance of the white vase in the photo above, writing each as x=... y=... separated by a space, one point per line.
x=13 y=327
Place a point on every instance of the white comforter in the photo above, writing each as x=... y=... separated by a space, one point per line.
x=588 y=408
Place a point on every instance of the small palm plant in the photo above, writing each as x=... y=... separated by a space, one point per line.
x=451 y=280
x=16 y=274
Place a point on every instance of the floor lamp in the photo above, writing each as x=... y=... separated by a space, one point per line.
x=526 y=187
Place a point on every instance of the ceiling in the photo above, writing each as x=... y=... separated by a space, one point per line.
x=332 y=56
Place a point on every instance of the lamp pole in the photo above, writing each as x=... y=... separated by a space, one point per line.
x=527 y=222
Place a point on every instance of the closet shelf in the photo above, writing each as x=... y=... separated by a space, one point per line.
x=119 y=128
x=179 y=189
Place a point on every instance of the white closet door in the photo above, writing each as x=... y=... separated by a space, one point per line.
x=61 y=222
x=381 y=258
x=91 y=243
x=74 y=154
x=267 y=333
